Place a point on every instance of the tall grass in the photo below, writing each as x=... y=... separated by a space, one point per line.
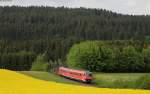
x=142 y=82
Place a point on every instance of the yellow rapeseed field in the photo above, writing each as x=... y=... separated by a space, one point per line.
x=15 y=83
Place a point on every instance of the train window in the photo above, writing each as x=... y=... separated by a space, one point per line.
x=74 y=73
x=88 y=73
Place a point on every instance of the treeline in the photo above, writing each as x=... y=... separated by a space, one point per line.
x=28 y=23
x=53 y=31
x=108 y=57
x=20 y=55
x=17 y=61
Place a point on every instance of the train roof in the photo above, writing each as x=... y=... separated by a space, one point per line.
x=74 y=70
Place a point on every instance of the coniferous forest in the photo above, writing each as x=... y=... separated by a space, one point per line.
x=26 y=32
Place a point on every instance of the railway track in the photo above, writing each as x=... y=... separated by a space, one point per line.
x=80 y=82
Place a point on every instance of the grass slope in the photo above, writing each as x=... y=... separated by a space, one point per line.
x=48 y=77
x=16 y=83
x=109 y=80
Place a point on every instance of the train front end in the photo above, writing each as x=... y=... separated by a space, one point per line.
x=88 y=76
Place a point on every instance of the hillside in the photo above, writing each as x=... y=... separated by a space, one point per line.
x=15 y=83
x=27 y=32
x=30 y=23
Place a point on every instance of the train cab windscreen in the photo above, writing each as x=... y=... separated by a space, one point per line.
x=89 y=73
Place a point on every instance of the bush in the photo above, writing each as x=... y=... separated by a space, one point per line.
x=93 y=56
x=130 y=60
x=40 y=64
x=146 y=55
x=104 y=57
x=54 y=65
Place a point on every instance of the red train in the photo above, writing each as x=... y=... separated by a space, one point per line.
x=84 y=76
